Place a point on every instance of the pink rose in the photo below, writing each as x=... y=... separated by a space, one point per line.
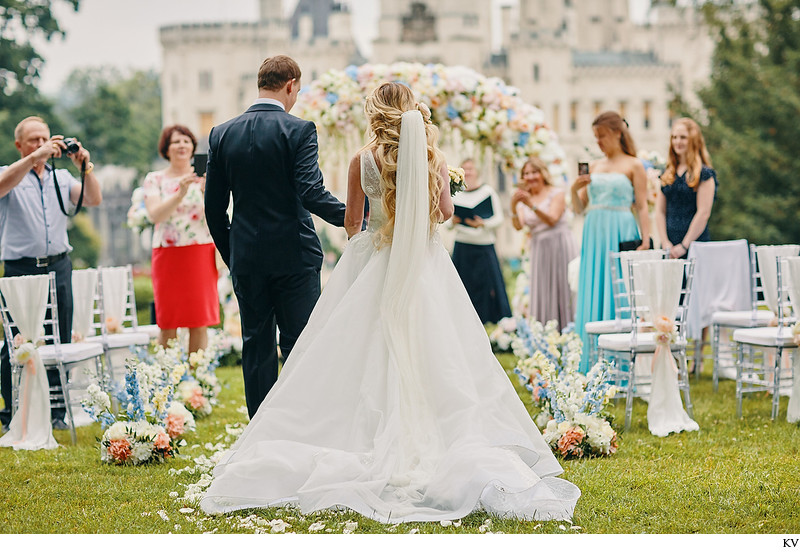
x=197 y=400
x=161 y=442
x=664 y=324
x=119 y=449
x=175 y=425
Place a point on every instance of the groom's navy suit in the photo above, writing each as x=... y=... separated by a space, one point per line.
x=267 y=160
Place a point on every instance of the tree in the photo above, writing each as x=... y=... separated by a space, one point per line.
x=20 y=63
x=752 y=106
x=118 y=117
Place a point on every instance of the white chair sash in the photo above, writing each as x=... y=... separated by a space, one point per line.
x=767 y=255
x=645 y=255
x=793 y=269
x=115 y=290
x=30 y=428
x=84 y=286
x=661 y=282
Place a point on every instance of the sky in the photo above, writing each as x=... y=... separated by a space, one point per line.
x=124 y=33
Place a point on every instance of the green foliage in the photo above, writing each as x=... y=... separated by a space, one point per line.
x=753 y=105
x=20 y=22
x=117 y=117
x=85 y=241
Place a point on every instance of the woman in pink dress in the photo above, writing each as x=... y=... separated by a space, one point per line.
x=539 y=206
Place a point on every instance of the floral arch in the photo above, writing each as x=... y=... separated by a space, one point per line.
x=476 y=115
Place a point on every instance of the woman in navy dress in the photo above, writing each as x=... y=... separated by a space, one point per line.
x=689 y=185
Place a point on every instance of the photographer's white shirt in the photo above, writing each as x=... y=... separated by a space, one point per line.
x=31 y=221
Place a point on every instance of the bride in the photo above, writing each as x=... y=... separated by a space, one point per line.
x=392 y=403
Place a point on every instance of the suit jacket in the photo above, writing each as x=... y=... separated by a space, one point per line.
x=267 y=160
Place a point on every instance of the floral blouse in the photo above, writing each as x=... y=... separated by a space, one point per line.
x=187 y=223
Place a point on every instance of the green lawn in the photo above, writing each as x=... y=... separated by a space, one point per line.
x=733 y=476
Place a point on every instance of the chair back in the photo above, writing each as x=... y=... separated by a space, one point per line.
x=787 y=312
x=767 y=256
x=84 y=302
x=620 y=275
x=28 y=307
x=661 y=287
x=116 y=295
x=792 y=271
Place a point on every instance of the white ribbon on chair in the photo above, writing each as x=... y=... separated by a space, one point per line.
x=84 y=286
x=661 y=282
x=30 y=428
x=793 y=411
x=115 y=290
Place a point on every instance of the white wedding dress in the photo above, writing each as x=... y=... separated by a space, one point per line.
x=392 y=403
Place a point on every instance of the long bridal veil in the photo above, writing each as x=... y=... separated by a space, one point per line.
x=392 y=403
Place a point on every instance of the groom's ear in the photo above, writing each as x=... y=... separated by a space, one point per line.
x=292 y=85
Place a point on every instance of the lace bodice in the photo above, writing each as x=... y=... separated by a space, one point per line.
x=610 y=190
x=371 y=184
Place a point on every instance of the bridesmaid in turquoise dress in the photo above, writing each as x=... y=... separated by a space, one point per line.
x=609 y=195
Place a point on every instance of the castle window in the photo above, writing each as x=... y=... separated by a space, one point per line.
x=535 y=72
x=206 y=122
x=623 y=105
x=647 y=105
x=598 y=107
x=205 y=81
x=556 y=116
x=471 y=20
x=419 y=26
x=573 y=116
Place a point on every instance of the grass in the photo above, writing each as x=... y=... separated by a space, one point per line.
x=733 y=476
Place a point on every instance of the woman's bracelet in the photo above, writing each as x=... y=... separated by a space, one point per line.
x=684 y=247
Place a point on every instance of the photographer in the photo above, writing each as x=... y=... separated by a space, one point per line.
x=34 y=232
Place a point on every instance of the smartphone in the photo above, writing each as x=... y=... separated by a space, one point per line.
x=199 y=163
x=583 y=168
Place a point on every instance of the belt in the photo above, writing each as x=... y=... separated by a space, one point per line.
x=40 y=262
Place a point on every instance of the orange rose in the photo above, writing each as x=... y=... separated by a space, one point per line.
x=119 y=449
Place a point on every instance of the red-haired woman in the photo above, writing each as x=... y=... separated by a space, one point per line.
x=184 y=267
x=689 y=185
x=616 y=184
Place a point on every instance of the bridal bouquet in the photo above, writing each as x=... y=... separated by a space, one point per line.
x=571 y=404
x=138 y=218
x=457 y=183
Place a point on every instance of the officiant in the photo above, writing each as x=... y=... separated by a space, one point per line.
x=478 y=213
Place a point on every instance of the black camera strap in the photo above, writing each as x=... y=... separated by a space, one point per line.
x=58 y=191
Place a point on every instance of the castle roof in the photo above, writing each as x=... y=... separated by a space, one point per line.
x=615 y=59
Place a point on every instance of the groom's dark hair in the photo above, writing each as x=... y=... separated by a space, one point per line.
x=276 y=71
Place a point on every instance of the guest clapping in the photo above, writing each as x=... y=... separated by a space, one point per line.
x=474 y=255
x=184 y=268
x=540 y=206
x=689 y=186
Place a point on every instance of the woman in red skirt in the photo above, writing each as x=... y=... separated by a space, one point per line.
x=184 y=268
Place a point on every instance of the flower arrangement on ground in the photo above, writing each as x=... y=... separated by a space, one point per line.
x=571 y=404
x=140 y=432
x=466 y=106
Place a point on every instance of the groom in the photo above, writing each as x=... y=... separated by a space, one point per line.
x=267 y=160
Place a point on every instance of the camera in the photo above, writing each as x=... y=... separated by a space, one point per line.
x=71 y=146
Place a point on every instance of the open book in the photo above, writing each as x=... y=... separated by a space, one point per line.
x=483 y=210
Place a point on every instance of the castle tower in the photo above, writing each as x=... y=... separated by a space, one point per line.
x=453 y=32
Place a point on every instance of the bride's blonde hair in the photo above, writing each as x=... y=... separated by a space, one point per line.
x=384 y=109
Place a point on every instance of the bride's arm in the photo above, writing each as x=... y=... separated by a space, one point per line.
x=445 y=200
x=354 y=209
